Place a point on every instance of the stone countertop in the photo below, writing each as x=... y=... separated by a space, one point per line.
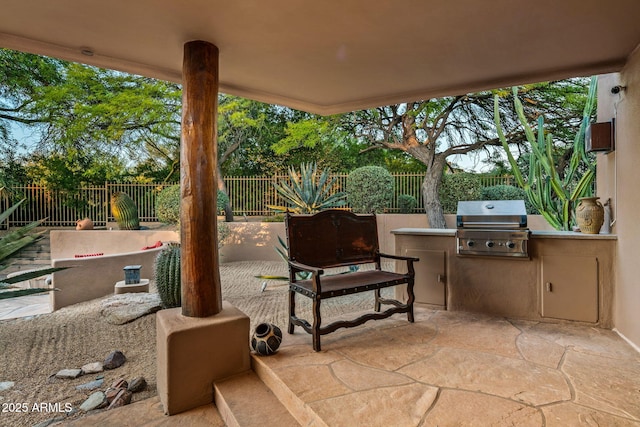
x=540 y=234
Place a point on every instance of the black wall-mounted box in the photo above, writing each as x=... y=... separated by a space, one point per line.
x=601 y=137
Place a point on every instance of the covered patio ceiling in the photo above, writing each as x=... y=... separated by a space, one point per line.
x=330 y=57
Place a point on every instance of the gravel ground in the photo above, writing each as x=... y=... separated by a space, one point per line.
x=33 y=349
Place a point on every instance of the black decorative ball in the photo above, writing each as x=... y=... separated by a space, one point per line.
x=266 y=339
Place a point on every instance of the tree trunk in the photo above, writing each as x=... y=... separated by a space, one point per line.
x=431 y=183
x=431 y=198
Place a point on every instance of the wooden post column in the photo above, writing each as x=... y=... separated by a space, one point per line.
x=200 y=272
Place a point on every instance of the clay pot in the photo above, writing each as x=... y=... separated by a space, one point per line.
x=84 y=224
x=590 y=215
x=266 y=339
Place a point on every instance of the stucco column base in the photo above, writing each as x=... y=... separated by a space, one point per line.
x=194 y=352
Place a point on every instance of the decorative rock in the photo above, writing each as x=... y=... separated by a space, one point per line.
x=96 y=401
x=111 y=393
x=124 y=308
x=90 y=385
x=120 y=383
x=69 y=373
x=92 y=368
x=122 y=398
x=137 y=384
x=114 y=360
x=6 y=385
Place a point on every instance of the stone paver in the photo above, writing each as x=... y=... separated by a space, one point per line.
x=539 y=350
x=608 y=384
x=453 y=368
x=570 y=414
x=389 y=406
x=31 y=305
x=510 y=378
x=481 y=410
x=358 y=377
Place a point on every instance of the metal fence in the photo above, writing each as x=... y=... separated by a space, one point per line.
x=249 y=196
x=64 y=208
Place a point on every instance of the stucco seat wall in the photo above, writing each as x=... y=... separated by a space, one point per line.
x=95 y=277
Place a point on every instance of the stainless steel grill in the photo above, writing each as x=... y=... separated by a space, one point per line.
x=495 y=228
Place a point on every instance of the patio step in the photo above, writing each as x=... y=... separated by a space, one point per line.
x=35 y=256
x=304 y=414
x=244 y=400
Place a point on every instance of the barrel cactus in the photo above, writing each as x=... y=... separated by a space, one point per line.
x=125 y=211
x=167 y=272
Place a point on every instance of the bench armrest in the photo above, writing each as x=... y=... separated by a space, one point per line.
x=399 y=257
x=303 y=267
x=410 y=260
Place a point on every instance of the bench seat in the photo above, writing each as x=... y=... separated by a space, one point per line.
x=338 y=238
x=351 y=283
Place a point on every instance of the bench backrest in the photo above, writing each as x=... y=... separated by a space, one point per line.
x=332 y=238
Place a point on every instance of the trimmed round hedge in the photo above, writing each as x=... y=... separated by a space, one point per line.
x=168 y=204
x=407 y=203
x=508 y=192
x=369 y=189
x=456 y=187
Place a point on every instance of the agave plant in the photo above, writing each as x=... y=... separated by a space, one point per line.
x=309 y=191
x=15 y=240
x=9 y=291
x=11 y=243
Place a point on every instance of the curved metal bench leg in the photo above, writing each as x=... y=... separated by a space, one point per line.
x=292 y=310
x=410 y=300
x=316 y=324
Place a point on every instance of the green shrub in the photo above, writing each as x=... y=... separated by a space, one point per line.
x=369 y=189
x=456 y=187
x=407 y=203
x=508 y=192
x=168 y=204
x=221 y=201
x=274 y=218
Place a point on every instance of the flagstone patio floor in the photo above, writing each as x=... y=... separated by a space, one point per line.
x=446 y=369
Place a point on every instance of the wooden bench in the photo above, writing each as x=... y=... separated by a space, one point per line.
x=337 y=238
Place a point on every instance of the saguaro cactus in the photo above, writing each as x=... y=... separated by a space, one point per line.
x=167 y=271
x=125 y=211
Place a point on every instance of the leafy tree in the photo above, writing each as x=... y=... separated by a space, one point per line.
x=331 y=145
x=84 y=116
x=435 y=130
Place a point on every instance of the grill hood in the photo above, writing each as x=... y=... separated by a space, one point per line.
x=496 y=214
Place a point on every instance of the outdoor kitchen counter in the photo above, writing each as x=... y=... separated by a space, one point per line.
x=569 y=276
x=541 y=234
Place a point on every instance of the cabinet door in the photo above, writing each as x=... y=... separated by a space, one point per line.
x=570 y=287
x=430 y=282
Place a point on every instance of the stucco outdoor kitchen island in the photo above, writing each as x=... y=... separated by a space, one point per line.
x=568 y=276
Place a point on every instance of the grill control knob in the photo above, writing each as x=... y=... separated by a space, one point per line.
x=489 y=244
x=470 y=243
x=511 y=245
